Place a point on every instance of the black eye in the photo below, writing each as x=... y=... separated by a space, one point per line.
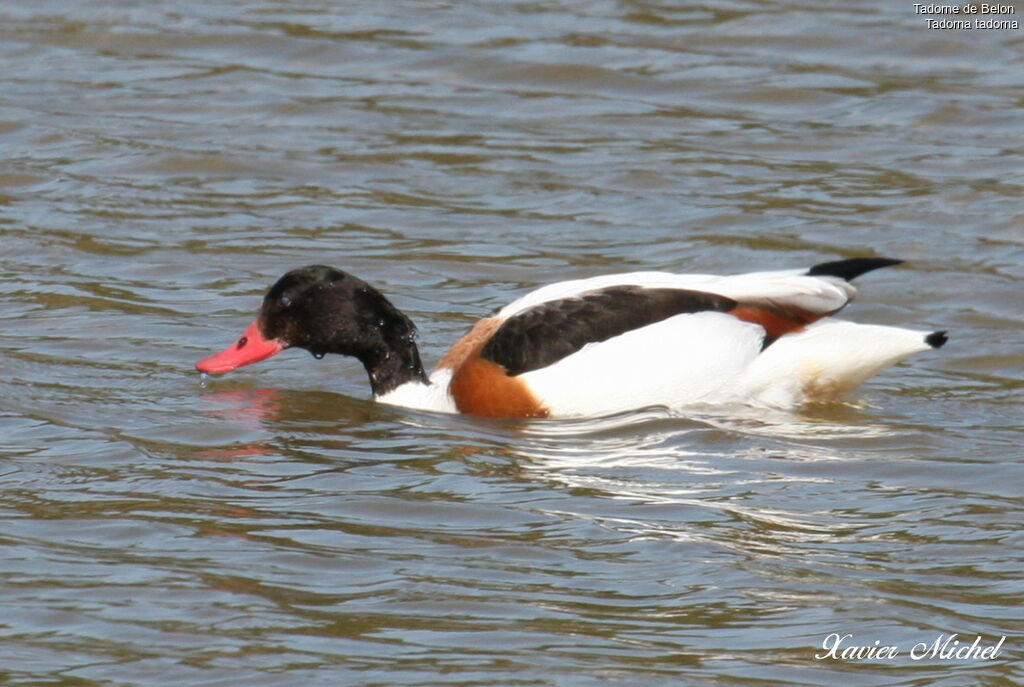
x=241 y=342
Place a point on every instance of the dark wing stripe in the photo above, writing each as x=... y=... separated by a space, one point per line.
x=850 y=269
x=546 y=333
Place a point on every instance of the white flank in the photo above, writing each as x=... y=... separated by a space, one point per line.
x=684 y=360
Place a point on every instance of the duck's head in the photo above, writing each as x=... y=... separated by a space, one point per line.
x=325 y=310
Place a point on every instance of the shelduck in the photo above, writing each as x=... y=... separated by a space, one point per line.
x=597 y=346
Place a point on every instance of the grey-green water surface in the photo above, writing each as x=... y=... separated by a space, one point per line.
x=163 y=161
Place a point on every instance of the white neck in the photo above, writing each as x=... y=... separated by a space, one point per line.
x=414 y=394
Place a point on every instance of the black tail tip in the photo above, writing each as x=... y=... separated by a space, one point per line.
x=850 y=269
x=936 y=339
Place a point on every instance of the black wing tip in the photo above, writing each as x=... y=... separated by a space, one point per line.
x=936 y=339
x=852 y=268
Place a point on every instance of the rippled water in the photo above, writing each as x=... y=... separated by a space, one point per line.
x=164 y=161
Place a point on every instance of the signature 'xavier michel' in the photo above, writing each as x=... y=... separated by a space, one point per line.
x=600 y=345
